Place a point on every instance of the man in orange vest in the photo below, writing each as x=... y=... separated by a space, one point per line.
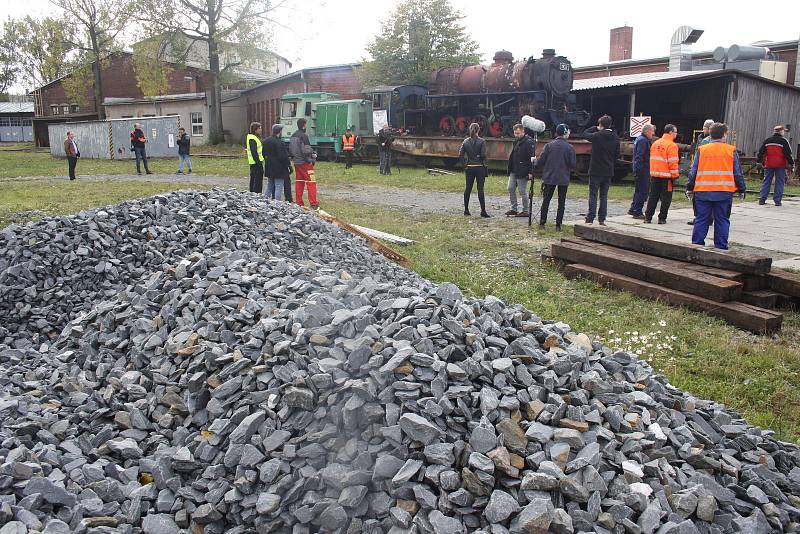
x=714 y=178
x=664 y=160
x=348 y=147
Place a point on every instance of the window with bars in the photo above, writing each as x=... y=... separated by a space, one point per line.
x=5 y=121
x=197 y=123
x=65 y=109
x=54 y=110
x=75 y=108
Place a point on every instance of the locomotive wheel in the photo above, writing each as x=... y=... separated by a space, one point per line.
x=462 y=126
x=447 y=125
x=482 y=122
x=496 y=129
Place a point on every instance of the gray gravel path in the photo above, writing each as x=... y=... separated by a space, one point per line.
x=417 y=200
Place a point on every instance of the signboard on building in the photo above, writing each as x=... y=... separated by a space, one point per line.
x=379 y=120
x=638 y=124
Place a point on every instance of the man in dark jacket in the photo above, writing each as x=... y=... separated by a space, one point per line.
x=385 y=140
x=279 y=166
x=138 y=141
x=775 y=156
x=304 y=157
x=605 y=152
x=641 y=170
x=557 y=161
x=520 y=170
x=184 y=141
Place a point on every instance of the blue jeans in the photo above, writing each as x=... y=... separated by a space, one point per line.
x=598 y=184
x=184 y=159
x=766 y=183
x=639 y=195
x=719 y=210
x=275 y=188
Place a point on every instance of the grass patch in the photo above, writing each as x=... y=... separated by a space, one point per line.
x=27 y=200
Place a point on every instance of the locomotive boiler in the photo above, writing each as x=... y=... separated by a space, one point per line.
x=496 y=96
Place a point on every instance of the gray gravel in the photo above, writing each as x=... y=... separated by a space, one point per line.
x=245 y=367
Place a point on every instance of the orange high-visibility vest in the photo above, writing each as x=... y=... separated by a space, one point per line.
x=348 y=143
x=664 y=158
x=715 y=168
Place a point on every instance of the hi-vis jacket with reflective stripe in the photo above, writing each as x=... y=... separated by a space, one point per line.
x=715 y=168
x=664 y=158
x=348 y=143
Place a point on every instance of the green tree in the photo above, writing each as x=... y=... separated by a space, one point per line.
x=98 y=25
x=9 y=67
x=39 y=47
x=152 y=63
x=419 y=37
x=220 y=35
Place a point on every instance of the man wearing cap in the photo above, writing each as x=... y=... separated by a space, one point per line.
x=714 y=178
x=279 y=166
x=348 y=147
x=520 y=170
x=775 y=155
x=557 y=162
x=703 y=139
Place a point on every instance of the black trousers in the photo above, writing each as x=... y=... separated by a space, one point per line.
x=660 y=190
x=547 y=195
x=287 y=189
x=348 y=159
x=474 y=174
x=256 y=178
x=72 y=161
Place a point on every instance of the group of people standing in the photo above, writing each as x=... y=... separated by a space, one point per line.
x=272 y=159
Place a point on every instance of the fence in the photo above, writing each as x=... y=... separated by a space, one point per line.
x=16 y=129
x=110 y=139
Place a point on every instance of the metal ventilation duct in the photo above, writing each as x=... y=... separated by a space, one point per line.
x=680 y=46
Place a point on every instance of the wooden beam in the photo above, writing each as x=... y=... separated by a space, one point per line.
x=763 y=298
x=676 y=251
x=377 y=234
x=738 y=314
x=661 y=271
x=784 y=282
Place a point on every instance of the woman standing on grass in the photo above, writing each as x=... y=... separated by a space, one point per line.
x=473 y=154
x=255 y=157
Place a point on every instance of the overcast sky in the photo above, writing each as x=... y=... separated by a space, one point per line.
x=325 y=32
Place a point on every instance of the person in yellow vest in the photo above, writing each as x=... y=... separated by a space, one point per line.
x=255 y=157
x=348 y=148
x=714 y=178
x=664 y=160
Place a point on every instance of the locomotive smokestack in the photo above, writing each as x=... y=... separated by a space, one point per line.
x=547 y=53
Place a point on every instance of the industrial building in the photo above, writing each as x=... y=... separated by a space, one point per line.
x=751 y=88
x=16 y=121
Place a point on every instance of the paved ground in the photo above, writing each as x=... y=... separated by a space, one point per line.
x=767 y=229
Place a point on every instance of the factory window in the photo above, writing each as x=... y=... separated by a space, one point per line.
x=27 y=122
x=308 y=109
x=4 y=121
x=75 y=108
x=197 y=123
x=54 y=110
x=289 y=109
x=14 y=121
x=65 y=109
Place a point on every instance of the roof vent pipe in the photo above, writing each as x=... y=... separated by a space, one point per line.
x=720 y=54
x=680 y=48
x=742 y=52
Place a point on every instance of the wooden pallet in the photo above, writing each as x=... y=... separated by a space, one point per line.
x=696 y=254
x=739 y=314
x=668 y=273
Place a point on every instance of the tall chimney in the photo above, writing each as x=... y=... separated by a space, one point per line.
x=797 y=66
x=621 y=43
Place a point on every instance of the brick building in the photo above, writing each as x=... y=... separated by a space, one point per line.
x=263 y=101
x=53 y=104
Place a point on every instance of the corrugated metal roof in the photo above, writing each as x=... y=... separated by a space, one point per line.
x=16 y=107
x=632 y=79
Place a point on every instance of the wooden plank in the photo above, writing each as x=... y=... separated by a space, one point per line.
x=738 y=314
x=784 y=282
x=676 y=251
x=755 y=282
x=763 y=298
x=661 y=271
x=377 y=234
x=372 y=243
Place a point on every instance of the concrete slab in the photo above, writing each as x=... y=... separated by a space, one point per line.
x=775 y=230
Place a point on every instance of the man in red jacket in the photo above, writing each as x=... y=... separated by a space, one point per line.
x=775 y=155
